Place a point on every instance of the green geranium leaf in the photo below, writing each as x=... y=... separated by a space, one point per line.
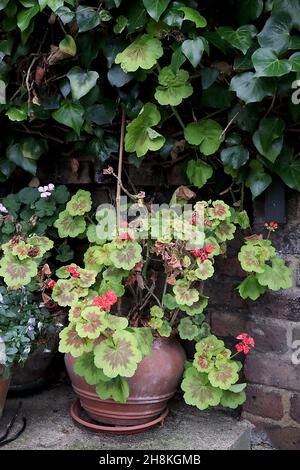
x=198 y=172
x=173 y=86
x=16 y=114
x=70 y=342
x=193 y=50
x=116 y=323
x=156 y=311
x=187 y=329
x=16 y=272
x=198 y=391
x=85 y=367
x=70 y=114
x=241 y=39
x=80 y=203
x=211 y=344
x=193 y=15
x=144 y=338
x=184 y=295
x=165 y=329
x=69 y=226
x=205 y=270
x=232 y=400
x=253 y=257
x=155 y=8
x=169 y=302
x=250 y=288
x=224 y=375
x=118 y=355
x=143 y=53
x=203 y=361
x=207 y=134
x=92 y=323
x=81 y=82
x=140 y=136
x=267 y=64
x=219 y=210
x=251 y=88
x=116 y=388
x=276 y=277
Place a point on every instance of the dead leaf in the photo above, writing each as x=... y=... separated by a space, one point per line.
x=34 y=182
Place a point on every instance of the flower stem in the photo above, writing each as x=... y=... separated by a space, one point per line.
x=176 y=114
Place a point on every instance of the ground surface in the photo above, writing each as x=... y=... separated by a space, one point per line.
x=49 y=426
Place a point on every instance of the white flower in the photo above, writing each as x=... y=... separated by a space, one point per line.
x=3 y=209
x=1 y=302
x=46 y=190
x=51 y=187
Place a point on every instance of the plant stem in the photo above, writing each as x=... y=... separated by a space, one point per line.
x=176 y=114
x=121 y=153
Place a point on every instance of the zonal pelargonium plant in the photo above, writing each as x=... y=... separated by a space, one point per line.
x=160 y=275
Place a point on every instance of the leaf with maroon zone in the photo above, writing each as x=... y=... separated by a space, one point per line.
x=144 y=338
x=203 y=361
x=184 y=295
x=197 y=308
x=87 y=278
x=187 y=329
x=85 y=367
x=69 y=226
x=224 y=375
x=80 y=203
x=205 y=270
x=17 y=273
x=210 y=344
x=219 y=211
x=43 y=244
x=21 y=250
x=198 y=391
x=126 y=255
x=118 y=355
x=225 y=231
x=63 y=293
x=75 y=311
x=92 y=323
x=71 y=342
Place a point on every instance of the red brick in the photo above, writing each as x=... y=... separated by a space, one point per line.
x=287 y=438
x=264 y=403
x=295 y=407
x=283 y=305
x=227 y=324
x=268 y=335
x=272 y=371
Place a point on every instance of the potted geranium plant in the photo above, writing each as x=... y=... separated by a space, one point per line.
x=26 y=223
x=136 y=292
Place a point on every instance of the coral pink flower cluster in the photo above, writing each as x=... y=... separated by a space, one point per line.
x=202 y=253
x=108 y=299
x=247 y=342
x=73 y=271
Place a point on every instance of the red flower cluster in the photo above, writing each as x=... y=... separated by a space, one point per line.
x=51 y=283
x=272 y=226
x=73 y=271
x=247 y=342
x=203 y=253
x=108 y=299
x=126 y=236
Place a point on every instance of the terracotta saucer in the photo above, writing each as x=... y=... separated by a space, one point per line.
x=79 y=415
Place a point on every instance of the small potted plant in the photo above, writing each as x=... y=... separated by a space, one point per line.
x=23 y=325
x=138 y=289
x=26 y=223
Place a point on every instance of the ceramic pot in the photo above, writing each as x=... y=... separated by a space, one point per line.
x=3 y=391
x=153 y=384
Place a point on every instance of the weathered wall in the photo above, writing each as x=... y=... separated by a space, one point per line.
x=273 y=397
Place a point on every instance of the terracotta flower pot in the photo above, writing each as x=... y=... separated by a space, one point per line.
x=3 y=391
x=154 y=383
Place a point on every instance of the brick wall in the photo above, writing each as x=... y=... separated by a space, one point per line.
x=273 y=396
